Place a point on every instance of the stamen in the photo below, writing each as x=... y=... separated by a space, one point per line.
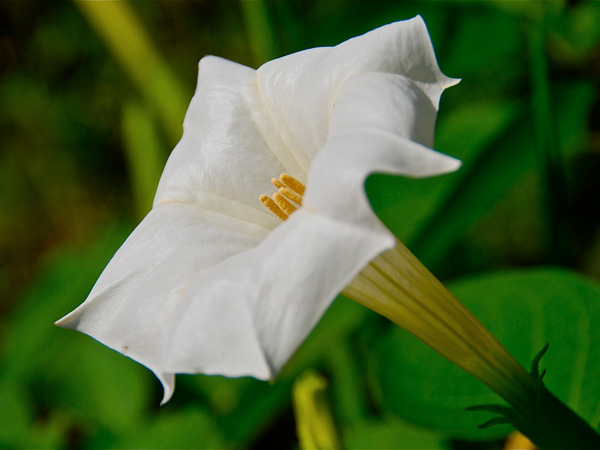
x=289 y=189
x=286 y=206
x=291 y=195
x=278 y=184
x=272 y=206
x=292 y=183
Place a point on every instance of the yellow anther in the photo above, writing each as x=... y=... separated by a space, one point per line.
x=286 y=206
x=292 y=183
x=278 y=184
x=272 y=206
x=291 y=195
x=289 y=189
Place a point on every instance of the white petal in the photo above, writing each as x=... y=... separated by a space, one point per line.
x=203 y=284
x=131 y=307
x=229 y=150
x=284 y=285
x=300 y=89
x=380 y=123
x=183 y=296
x=386 y=102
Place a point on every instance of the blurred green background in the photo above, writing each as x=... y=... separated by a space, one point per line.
x=92 y=97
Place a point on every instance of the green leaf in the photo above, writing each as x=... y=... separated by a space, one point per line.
x=64 y=372
x=268 y=401
x=574 y=36
x=15 y=413
x=485 y=63
x=63 y=283
x=407 y=205
x=187 y=428
x=391 y=433
x=346 y=372
x=524 y=309
x=99 y=383
x=530 y=10
x=483 y=181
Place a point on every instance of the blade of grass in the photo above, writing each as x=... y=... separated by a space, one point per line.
x=547 y=143
x=144 y=153
x=479 y=186
x=259 y=31
x=131 y=46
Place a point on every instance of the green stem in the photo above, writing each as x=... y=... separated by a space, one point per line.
x=545 y=126
x=557 y=427
x=552 y=425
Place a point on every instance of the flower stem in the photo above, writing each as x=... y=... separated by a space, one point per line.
x=553 y=426
x=400 y=288
x=315 y=423
x=397 y=286
x=556 y=427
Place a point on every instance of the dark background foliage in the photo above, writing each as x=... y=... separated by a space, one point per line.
x=86 y=126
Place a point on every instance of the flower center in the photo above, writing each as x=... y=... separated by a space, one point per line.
x=288 y=189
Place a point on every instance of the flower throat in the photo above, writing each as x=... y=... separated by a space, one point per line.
x=289 y=189
x=398 y=286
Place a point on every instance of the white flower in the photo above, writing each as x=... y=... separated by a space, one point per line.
x=213 y=282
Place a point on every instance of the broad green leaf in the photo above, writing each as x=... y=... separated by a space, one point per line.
x=480 y=62
x=488 y=176
x=391 y=433
x=407 y=205
x=479 y=187
x=524 y=309
x=418 y=385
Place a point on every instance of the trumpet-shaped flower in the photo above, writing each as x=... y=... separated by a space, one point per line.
x=212 y=280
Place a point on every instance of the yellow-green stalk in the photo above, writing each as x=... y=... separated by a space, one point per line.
x=314 y=421
x=398 y=286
